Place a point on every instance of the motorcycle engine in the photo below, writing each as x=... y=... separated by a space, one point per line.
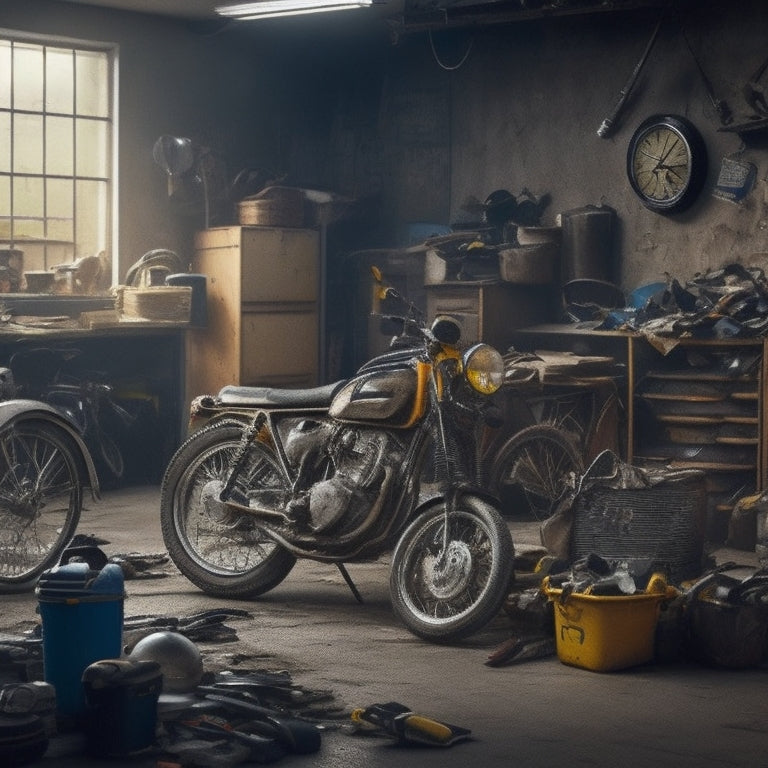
x=359 y=460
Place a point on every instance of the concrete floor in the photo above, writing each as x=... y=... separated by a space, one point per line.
x=538 y=713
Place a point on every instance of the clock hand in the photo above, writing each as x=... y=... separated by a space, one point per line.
x=648 y=154
x=669 y=151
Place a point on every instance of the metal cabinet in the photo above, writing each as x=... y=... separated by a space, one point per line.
x=262 y=286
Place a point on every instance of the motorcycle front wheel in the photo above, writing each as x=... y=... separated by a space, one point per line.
x=223 y=552
x=447 y=584
x=40 y=501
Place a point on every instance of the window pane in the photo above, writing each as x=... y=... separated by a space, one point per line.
x=91 y=148
x=91 y=207
x=28 y=197
x=60 y=211
x=58 y=146
x=27 y=144
x=27 y=77
x=28 y=228
x=5 y=207
x=92 y=79
x=60 y=83
x=5 y=141
x=5 y=74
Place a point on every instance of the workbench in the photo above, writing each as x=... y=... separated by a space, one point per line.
x=144 y=363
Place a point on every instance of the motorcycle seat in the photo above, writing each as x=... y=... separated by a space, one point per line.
x=264 y=397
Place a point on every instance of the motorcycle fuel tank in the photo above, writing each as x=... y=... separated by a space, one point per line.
x=376 y=396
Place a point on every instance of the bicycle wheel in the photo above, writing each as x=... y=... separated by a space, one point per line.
x=534 y=469
x=40 y=501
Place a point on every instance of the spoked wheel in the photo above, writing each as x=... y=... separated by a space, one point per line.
x=40 y=501
x=222 y=551
x=534 y=469
x=447 y=583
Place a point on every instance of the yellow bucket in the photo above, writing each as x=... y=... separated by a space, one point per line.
x=606 y=633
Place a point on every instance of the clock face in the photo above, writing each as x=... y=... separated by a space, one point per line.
x=666 y=163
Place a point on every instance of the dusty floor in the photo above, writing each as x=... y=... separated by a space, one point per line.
x=538 y=713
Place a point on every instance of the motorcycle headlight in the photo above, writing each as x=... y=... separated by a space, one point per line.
x=484 y=368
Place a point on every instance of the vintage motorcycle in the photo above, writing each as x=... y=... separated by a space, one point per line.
x=346 y=472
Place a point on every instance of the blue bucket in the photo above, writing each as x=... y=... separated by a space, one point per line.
x=82 y=617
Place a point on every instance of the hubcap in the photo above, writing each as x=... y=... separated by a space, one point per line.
x=451 y=571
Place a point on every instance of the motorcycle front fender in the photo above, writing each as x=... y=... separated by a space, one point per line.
x=14 y=412
x=430 y=499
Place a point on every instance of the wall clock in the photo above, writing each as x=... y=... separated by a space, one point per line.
x=667 y=163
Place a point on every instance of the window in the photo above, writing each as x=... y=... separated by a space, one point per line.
x=56 y=149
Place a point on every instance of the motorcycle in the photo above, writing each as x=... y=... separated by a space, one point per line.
x=384 y=461
x=44 y=468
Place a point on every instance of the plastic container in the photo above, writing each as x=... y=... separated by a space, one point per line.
x=121 y=706
x=606 y=633
x=82 y=618
x=199 y=306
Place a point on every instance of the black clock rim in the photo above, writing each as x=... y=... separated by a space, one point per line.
x=698 y=153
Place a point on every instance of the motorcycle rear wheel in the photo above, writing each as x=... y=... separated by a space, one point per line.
x=224 y=553
x=446 y=594
x=40 y=501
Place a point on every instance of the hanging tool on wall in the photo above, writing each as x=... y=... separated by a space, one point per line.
x=754 y=93
x=721 y=107
x=607 y=126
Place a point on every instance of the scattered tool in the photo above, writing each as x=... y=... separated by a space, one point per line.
x=297 y=736
x=407 y=727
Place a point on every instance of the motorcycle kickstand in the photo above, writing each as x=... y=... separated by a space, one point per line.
x=351 y=584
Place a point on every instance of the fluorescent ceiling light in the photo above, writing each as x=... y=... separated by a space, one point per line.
x=265 y=9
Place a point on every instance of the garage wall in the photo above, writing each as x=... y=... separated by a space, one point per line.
x=529 y=100
x=424 y=125
x=413 y=129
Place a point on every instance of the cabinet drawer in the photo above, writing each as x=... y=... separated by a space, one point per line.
x=279 y=347
x=279 y=264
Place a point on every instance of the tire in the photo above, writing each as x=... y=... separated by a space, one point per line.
x=40 y=501
x=533 y=470
x=110 y=455
x=224 y=553
x=447 y=605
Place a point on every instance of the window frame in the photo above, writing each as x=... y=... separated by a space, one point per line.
x=112 y=120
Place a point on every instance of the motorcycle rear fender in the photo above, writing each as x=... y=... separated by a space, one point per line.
x=16 y=411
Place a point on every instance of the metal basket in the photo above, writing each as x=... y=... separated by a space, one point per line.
x=659 y=520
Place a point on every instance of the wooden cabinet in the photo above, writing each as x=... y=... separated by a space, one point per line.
x=263 y=309
x=698 y=404
x=490 y=310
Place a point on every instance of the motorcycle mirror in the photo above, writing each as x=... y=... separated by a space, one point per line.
x=173 y=154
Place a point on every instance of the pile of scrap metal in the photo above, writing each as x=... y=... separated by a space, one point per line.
x=622 y=528
x=730 y=302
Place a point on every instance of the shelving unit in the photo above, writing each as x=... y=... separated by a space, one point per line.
x=700 y=405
